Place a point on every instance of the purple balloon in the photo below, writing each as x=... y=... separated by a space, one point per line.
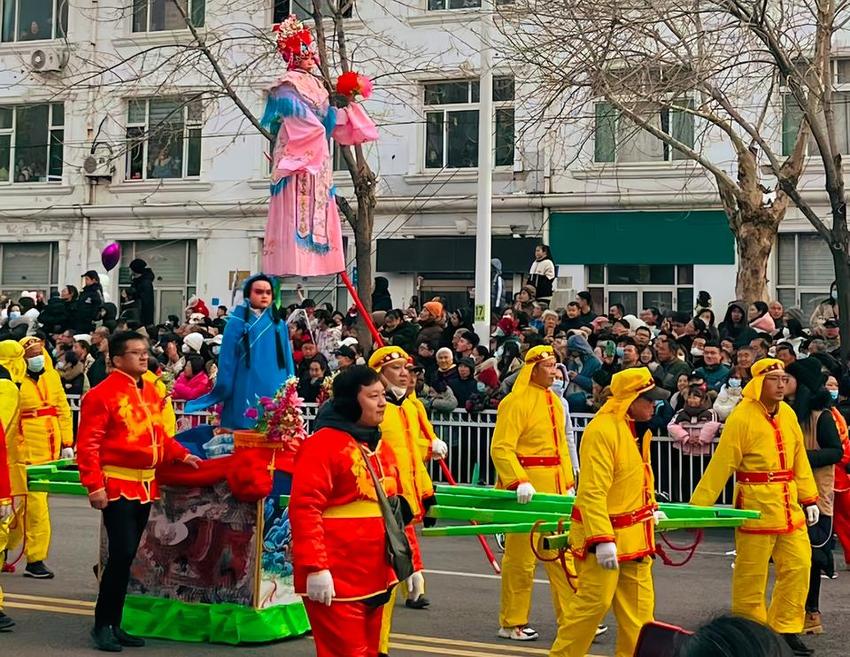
x=111 y=256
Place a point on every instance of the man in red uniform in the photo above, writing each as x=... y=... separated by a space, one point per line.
x=338 y=534
x=122 y=437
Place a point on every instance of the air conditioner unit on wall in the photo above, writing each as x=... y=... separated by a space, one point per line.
x=48 y=60
x=98 y=164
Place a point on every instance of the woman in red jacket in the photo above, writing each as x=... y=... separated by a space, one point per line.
x=338 y=535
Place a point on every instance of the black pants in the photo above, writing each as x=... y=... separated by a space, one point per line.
x=823 y=542
x=125 y=521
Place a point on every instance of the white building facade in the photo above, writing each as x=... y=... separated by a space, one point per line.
x=114 y=127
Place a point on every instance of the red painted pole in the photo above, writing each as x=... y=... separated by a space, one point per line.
x=367 y=317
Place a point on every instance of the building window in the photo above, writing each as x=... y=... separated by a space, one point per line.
x=164 y=138
x=804 y=271
x=160 y=15
x=175 y=268
x=451 y=123
x=32 y=267
x=618 y=139
x=31 y=138
x=303 y=9
x=440 y=5
x=666 y=287
x=34 y=20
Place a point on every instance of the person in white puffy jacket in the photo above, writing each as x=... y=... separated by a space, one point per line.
x=728 y=398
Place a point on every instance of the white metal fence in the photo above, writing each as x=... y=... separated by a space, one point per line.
x=468 y=437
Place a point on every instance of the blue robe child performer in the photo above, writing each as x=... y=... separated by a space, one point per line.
x=255 y=357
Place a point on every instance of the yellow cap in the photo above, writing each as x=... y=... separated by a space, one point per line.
x=386 y=355
x=535 y=355
x=628 y=385
x=759 y=370
x=12 y=358
x=29 y=341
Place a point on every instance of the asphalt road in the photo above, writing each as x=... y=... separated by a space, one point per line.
x=54 y=617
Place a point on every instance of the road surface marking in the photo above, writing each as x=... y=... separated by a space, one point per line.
x=57 y=610
x=452 y=573
x=42 y=598
x=513 y=646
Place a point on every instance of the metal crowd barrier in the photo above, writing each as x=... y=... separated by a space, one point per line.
x=468 y=436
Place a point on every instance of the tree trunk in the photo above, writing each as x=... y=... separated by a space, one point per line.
x=841 y=264
x=363 y=258
x=755 y=236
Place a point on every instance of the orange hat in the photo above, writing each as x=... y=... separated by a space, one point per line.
x=435 y=308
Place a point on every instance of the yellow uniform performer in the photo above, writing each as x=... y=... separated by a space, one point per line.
x=45 y=428
x=774 y=477
x=529 y=446
x=12 y=358
x=615 y=503
x=400 y=431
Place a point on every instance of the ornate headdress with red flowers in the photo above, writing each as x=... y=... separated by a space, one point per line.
x=294 y=42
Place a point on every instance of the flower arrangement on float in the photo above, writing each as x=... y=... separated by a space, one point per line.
x=279 y=421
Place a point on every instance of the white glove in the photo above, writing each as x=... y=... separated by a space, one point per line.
x=6 y=511
x=524 y=493
x=320 y=587
x=606 y=556
x=439 y=449
x=658 y=516
x=415 y=585
x=66 y=453
x=812 y=514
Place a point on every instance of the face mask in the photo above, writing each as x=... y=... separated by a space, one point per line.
x=398 y=392
x=833 y=295
x=833 y=394
x=216 y=349
x=499 y=353
x=619 y=351
x=186 y=349
x=734 y=383
x=481 y=387
x=14 y=314
x=696 y=351
x=558 y=388
x=36 y=363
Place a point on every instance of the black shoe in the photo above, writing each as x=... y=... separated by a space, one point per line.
x=127 y=640
x=38 y=570
x=420 y=603
x=104 y=639
x=798 y=647
x=6 y=623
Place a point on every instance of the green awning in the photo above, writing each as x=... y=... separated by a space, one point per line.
x=695 y=237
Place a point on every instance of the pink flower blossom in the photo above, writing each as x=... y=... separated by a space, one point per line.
x=252 y=413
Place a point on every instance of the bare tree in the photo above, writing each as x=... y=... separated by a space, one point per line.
x=704 y=78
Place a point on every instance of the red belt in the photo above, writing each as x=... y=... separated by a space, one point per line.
x=778 y=477
x=532 y=461
x=47 y=411
x=623 y=520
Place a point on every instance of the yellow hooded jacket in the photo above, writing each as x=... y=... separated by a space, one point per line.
x=529 y=442
x=45 y=417
x=12 y=358
x=616 y=494
x=757 y=445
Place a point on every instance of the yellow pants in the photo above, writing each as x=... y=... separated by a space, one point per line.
x=792 y=558
x=518 y=566
x=33 y=517
x=628 y=590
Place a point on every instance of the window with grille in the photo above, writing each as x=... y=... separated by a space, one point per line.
x=804 y=271
x=619 y=139
x=303 y=9
x=31 y=143
x=161 y=15
x=451 y=123
x=34 y=20
x=164 y=138
x=666 y=287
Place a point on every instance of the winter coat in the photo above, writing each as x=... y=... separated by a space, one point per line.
x=497 y=286
x=824 y=311
x=74 y=379
x=186 y=388
x=437 y=402
x=763 y=324
x=88 y=307
x=694 y=433
x=726 y=401
x=588 y=366
x=715 y=376
x=667 y=374
x=542 y=277
x=403 y=336
x=740 y=334
x=381 y=299
x=463 y=389
x=142 y=287
x=429 y=331
x=58 y=314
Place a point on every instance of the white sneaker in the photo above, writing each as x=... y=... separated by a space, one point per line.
x=518 y=633
x=601 y=629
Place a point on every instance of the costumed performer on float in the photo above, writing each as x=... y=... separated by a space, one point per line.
x=123 y=436
x=46 y=432
x=530 y=454
x=612 y=536
x=303 y=235
x=763 y=444
x=255 y=358
x=400 y=432
x=338 y=534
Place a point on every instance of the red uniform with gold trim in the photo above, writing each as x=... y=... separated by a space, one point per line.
x=123 y=436
x=841 y=517
x=337 y=526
